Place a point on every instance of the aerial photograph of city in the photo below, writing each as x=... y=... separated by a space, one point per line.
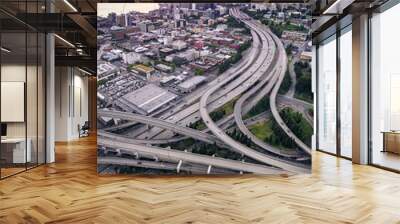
x=204 y=88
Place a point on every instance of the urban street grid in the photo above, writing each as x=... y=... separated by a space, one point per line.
x=205 y=88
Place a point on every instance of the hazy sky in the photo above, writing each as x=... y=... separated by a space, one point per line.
x=103 y=9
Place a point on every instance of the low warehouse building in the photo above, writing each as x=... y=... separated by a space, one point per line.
x=164 y=68
x=190 y=84
x=144 y=70
x=147 y=99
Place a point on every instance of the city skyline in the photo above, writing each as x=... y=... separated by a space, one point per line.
x=103 y=9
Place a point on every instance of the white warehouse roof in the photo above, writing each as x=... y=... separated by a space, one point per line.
x=192 y=82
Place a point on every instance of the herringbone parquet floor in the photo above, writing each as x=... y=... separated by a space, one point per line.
x=70 y=191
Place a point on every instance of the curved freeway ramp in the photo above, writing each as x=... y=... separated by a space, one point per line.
x=238 y=147
x=193 y=107
x=161 y=123
x=191 y=168
x=175 y=155
x=239 y=109
x=106 y=134
x=282 y=65
x=299 y=105
x=243 y=128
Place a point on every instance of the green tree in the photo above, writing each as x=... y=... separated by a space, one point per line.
x=261 y=106
x=286 y=83
x=296 y=123
x=101 y=82
x=303 y=84
x=289 y=49
x=179 y=61
x=198 y=71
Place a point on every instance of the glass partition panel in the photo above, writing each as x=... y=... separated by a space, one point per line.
x=14 y=145
x=31 y=98
x=346 y=92
x=23 y=88
x=41 y=99
x=385 y=89
x=327 y=95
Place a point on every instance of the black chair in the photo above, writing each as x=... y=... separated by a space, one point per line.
x=84 y=130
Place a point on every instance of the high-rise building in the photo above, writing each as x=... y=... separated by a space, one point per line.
x=122 y=20
x=129 y=19
x=113 y=18
x=185 y=5
x=144 y=26
x=176 y=13
x=180 y=23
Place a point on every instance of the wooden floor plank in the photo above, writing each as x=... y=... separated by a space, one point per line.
x=70 y=191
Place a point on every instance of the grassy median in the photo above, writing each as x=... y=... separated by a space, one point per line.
x=261 y=130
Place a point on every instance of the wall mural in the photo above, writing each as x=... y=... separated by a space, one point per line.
x=204 y=88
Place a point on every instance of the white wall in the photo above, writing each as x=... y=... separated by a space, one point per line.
x=33 y=126
x=71 y=103
x=12 y=73
x=62 y=81
x=80 y=110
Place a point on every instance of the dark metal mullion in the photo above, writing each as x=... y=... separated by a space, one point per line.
x=26 y=87
x=316 y=113
x=60 y=96
x=13 y=174
x=45 y=89
x=45 y=95
x=91 y=5
x=333 y=154
x=0 y=93
x=73 y=91
x=385 y=168
x=338 y=77
x=69 y=93
x=37 y=90
x=369 y=91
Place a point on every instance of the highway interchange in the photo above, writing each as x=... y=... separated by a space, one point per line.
x=260 y=73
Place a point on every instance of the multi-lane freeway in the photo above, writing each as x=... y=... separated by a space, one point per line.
x=281 y=65
x=189 y=113
x=106 y=134
x=160 y=123
x=273 y=106
x=299 y=105
x=176 y=156
x=236 y=146
x=260 y=92
x=261 y=72
x=188 y=167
